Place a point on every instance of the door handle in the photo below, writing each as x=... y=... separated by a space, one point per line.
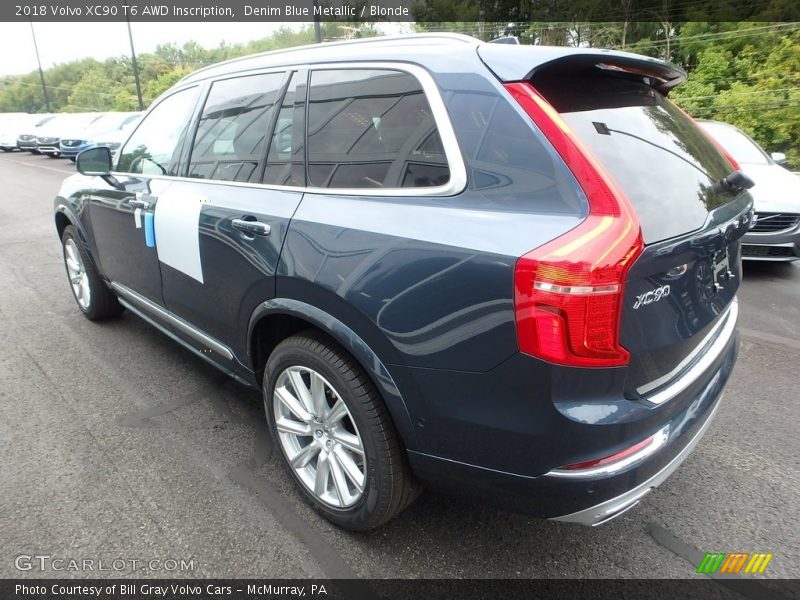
x=251 y=227
x=144 y=205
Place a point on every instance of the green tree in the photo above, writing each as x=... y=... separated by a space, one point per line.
x=94 y=92
x=746 y=74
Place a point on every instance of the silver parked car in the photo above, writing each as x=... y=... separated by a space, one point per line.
x=775 y=235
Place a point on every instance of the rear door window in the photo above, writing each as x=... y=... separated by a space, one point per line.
x=285 y=164
x=231 y=134
x=372 y=129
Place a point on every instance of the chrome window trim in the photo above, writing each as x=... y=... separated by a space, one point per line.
x=144 y=304
x=710 y=353
x=452 y=151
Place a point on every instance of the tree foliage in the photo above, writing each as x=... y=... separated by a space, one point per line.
x=90 y=85
x=744 y=73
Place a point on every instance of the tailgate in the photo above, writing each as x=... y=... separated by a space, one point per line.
x=679 y=292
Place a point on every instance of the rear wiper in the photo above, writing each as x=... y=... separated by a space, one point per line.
x=604 y=129
x=733 y=184
x=730 y=184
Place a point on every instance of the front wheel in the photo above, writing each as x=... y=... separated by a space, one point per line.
x=335 y=433
x=93 y=297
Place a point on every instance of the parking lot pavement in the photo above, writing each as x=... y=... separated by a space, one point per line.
x=118 y=443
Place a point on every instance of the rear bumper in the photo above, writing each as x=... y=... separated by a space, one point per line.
x=528 y=445
x=614 y=507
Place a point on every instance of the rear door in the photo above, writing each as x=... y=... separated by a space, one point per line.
x=682 y=287
x=236 y=224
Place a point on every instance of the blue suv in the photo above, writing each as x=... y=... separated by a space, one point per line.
x=505 y=271
x=103 y=132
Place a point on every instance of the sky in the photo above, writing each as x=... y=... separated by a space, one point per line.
x=63 y=42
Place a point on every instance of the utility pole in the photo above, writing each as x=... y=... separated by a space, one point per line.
x=135 y=65
x=317 y=33
x=41 y=73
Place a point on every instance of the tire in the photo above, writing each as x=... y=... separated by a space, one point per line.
x=51 y=155
x=388 y=485
x=90 y=292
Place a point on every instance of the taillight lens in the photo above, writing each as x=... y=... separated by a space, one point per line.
x=613 y=458
x=568 y=292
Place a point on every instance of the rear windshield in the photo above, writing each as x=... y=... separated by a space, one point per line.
x=657 y=154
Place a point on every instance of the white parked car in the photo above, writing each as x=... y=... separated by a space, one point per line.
x=14 y=124
x=775 y=235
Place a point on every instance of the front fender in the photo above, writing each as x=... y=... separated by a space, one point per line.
x=355 y=345
x=62 y=207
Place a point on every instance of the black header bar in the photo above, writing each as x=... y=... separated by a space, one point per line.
x=427 y=11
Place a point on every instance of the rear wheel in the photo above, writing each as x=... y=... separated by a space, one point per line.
x=335 y=433
x=91 y=294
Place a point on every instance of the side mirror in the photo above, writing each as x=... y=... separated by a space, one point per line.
x=778 y=157
x=94 y=161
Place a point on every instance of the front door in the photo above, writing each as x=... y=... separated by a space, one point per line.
x=122 y=217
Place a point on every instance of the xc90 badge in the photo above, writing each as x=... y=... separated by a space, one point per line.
x=651 y=296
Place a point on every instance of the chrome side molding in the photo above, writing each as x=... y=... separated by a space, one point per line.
x=150 y=307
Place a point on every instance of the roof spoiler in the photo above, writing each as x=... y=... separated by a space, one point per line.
x=522 y=63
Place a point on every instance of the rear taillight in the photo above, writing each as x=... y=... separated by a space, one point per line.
x=568 y=292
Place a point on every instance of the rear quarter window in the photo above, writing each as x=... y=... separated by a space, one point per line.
x=509 y=163
x=372 y=129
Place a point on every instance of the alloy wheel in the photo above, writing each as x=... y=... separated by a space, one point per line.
x=76 y=271
x=319 y=437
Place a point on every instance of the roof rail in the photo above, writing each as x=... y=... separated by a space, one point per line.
x=455 y=37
